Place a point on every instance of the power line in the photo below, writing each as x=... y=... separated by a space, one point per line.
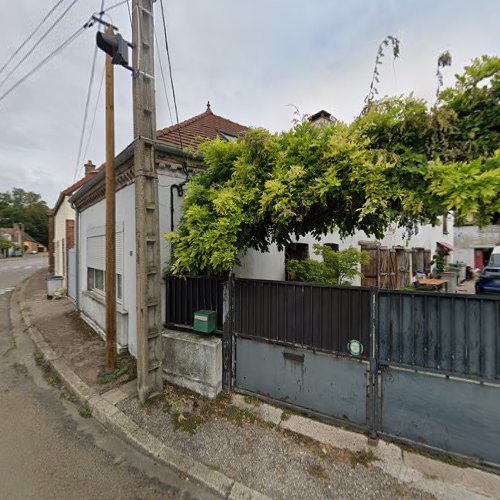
x=51 y=27
x=171 y=77
x=163 y=78
x=63 y=45
x=85 y=114
x=95 y=113
x=87 y=102
x=31 y=35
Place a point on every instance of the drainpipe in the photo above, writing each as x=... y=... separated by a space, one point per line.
x=180 y=192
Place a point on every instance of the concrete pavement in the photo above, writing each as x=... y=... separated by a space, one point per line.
x=47 y=450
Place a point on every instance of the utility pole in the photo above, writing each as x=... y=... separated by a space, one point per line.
x=148 y=267
x=110 y=285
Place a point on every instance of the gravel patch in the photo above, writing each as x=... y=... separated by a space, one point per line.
x=267 y=458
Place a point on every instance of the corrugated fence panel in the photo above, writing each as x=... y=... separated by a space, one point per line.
x=458 y=334
x=184 y=296
x=314 y=316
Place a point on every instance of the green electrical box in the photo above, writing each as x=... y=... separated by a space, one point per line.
x=204 y=321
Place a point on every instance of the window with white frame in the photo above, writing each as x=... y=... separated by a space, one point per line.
x=96 y=261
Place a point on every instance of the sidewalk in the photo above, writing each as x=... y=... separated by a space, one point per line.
x=237 y=446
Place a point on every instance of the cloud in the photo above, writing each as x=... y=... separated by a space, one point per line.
x=250 y=59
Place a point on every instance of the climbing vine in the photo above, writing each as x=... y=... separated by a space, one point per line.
x=400 y=162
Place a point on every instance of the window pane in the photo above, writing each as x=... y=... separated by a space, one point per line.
x=90 y=278
x=119 y=286
x=99 y=279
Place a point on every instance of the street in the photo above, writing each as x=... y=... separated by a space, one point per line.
x=47 y=449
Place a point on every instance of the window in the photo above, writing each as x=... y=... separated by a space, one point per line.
x=297 y=251
x=333 y=246
x=96 y=280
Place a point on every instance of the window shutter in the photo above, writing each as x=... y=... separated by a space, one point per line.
x=96 y=252
x=119 y=253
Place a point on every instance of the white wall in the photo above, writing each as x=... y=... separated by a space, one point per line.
x=94 y=309
x=271 y=265
x=467 y=238
x=64 y=212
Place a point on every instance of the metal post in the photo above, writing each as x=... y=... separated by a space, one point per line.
x=110 y=286
x=227 y=335
x=373 y=363
x=148 y=270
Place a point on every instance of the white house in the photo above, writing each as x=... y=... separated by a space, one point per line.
x=473 y=244
x=171 y=163
x=62 y=226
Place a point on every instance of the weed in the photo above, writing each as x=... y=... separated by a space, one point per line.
x=403 y=491
x=238 y=416
x=435 y=456
x=318 y=472
x=213 y=467
x=48 y=373
x=286 y=414
x=252 y=401
x=270 y=424
x=427 y=475
x=188 y=423
x=110 y=377
x=85 y=410
x=362 y=457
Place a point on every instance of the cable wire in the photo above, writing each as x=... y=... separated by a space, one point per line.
x=95 y=113
x=63 y=45
x=171 y=76
x=163 y=79
x=51 y=27
x=87 y=102
x=85 y=114
x=31 y=35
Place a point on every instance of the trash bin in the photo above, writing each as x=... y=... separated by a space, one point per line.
x=54 y=285
x=451 y=278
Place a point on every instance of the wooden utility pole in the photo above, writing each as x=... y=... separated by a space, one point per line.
x=110 y=285
x=147 y=226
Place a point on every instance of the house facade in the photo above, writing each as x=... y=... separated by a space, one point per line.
x=172 y=166
x=473 y=244
x=62 y=227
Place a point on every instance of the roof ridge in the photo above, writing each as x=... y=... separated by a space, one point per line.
x=182 y=124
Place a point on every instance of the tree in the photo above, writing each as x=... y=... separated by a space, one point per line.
x=27 y=208
x=336 y=267
x=398 y=163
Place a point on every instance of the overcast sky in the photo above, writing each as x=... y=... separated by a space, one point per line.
x=251 y=59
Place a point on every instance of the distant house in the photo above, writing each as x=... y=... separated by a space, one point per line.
x=172 y=163
x=473 y=244
x=62 y=226
x=21 y=241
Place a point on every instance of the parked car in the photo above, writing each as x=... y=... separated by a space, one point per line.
x=33 y=252
x=489 y=279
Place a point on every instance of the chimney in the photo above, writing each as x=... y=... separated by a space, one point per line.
x=89 y=168
x=321 y=117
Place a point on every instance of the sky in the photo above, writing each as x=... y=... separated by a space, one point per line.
x=251 y=60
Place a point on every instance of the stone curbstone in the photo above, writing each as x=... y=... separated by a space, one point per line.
x=109 y=415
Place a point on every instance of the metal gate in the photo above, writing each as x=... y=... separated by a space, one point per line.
x=439 y=372
x=291 y=346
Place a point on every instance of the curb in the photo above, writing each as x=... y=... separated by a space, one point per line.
x=114 y=419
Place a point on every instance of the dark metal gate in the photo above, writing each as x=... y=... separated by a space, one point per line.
x=291 y=346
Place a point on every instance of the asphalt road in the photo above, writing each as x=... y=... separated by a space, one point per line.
x=47 y=450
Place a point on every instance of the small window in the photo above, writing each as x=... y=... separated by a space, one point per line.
x=96 y=280
x=297 y=251
x=333 y=246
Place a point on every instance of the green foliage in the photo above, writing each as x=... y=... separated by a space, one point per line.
x=5 y=244
x=27 y=208
x=336 y=267
x=398 y=163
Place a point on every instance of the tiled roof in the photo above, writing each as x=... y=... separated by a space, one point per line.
x=13 y=232
x=71 y=189
x=195 y=130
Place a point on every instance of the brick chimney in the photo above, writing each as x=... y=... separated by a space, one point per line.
x=89 y=168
